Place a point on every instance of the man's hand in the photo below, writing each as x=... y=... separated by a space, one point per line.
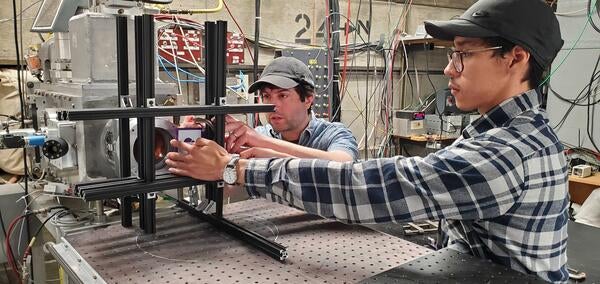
x=205 y=160
x=189 y=121
x=240 y=134
x=258 y=152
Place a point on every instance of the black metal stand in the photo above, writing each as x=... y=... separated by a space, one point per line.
x=123 y=90
x=147 y=182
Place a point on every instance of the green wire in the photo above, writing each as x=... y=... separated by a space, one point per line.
x=572 y=47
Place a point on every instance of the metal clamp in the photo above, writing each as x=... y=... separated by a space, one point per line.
x=151 y=102
x=126 y=102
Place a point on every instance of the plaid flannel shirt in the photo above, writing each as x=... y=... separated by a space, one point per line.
x=500 y=189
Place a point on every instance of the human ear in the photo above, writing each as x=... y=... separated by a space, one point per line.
x=520 y=56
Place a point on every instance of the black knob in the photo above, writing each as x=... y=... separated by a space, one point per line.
x=56 y=148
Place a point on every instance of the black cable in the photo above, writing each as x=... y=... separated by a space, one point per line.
x=15 y=30
x=577 y=101
x=37 y=232
x=591 y=18
x=427 y=67
x=9 y=116
x=581 y=96
x=590 y=132
x=21 y=100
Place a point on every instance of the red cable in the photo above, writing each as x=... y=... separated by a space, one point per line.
x=241 y=31
x=9 y=257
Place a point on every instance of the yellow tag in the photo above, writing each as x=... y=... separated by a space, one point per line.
x=312 y=62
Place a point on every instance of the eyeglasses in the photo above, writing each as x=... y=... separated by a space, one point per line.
x=456 y=57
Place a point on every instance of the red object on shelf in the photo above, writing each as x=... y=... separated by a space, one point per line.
x=235 y=48
x=172 y=41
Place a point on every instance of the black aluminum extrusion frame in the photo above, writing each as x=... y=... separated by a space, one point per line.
x=148 y=181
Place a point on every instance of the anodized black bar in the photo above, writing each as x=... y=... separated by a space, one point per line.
x=112 y=113
x=271 y=248
x=139 y=88
x=146 y=133
x=149 y=215
x=210 y=85
x=209 y=53
x=142 y=211
x=122 y=57
x=109 y=183
x=34 y=109
x=123 y=90
x=221 y=64
x=139 y=100
x=100 y=192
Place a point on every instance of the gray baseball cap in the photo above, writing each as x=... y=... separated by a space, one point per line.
x=528 y=23
x=285 y=73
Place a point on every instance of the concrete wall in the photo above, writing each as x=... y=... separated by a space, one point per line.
x=302 y=21
x=278 y=18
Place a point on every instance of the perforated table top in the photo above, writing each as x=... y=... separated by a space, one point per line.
x=449 y=266
x=187 y=250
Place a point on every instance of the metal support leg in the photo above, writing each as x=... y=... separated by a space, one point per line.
x=123 y=90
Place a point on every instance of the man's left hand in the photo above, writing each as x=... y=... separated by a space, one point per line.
x=204 y=160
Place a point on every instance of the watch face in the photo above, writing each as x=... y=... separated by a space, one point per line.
x=229 y=175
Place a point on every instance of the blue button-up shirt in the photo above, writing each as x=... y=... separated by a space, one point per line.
x=322 y=135
x=500 y=190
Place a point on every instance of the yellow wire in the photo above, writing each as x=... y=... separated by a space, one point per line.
x=195 y=11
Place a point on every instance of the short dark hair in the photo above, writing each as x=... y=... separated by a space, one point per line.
x=536 y=72
x=305 y=90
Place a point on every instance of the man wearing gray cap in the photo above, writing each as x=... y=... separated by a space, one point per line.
x=500 y=190
x=293 y=130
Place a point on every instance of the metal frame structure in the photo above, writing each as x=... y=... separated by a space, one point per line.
x=148 y=182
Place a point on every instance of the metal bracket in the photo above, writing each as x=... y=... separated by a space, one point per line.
x=207 y=206
x=126 y=102
x=151 y=102
x=151 y=195
x=222 y=101
x=420 y=228
x=75 y=266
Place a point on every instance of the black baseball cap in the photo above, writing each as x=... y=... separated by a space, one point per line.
x=286 y=73
x=528 y=23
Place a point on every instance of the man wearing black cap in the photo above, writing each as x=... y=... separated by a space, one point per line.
x=293 y=130
x=500 y=190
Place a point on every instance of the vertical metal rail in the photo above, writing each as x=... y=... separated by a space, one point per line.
x=220 y=45
x=210 y=86
x=139 y=102
x=123 y=92
x=146 y=132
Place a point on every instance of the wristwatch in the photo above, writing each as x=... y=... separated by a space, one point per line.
x=230 y=172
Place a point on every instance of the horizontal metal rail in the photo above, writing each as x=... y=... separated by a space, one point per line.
x=140 y=112
x=269 y=247
x=127 y=187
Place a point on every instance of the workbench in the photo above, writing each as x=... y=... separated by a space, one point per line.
x=580 y=188
x=187 y=250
